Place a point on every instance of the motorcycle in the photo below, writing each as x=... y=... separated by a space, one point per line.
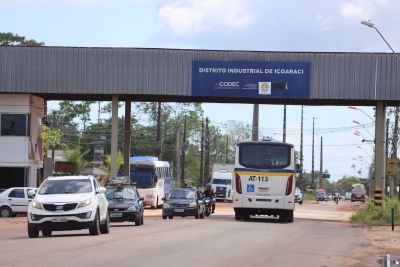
x=208 y=202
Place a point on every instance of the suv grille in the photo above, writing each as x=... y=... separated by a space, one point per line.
x=64 y=207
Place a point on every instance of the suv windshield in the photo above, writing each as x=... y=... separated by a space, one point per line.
x=69 y=186
x=264 y=155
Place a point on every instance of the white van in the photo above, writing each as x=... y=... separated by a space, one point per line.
x=264 y=180
x=221 y=183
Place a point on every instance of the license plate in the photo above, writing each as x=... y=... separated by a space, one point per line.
x=116 y=215
x=179 y=210
x=59 y=219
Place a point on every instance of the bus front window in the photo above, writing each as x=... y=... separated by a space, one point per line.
x=144 y=177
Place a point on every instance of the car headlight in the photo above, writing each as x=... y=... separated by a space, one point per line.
x=132 y=208
x=166 y=205
x=193 y=205
x=36 y=205
x=85 y=203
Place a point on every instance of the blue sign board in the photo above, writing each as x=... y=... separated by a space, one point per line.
x=251 y=79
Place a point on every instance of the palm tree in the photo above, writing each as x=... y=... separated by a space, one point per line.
x=75 y=155
x=107 y=166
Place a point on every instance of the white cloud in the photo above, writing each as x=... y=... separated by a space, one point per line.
x=199 y=16
x=362 y=9
x=324 y=22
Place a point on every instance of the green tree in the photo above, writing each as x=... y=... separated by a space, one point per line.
x=51 y=138
x=75 y=155
x=11 y=39
x=344 y=185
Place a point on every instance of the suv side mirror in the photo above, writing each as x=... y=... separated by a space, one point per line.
x=32 y=193
x=164 y=199
x=141 y=198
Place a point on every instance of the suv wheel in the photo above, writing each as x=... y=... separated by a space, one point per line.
x=141 y=218
x=94 y=229
x=33 y=232
x=105 y=227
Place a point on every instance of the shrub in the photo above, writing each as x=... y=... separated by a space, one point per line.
x=370 y=214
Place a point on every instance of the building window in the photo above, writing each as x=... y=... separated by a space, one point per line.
x=14 y=124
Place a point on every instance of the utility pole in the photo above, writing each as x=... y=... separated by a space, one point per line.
x=207 y=153
x=127 y=136
x=227 y=149
x=320 y=168
x=312 y=161
x=158 y=133
x=202 y=153
x=183 y=152
x=98 y=113
x=284 y=124
x=301 y=145
x=254 y=133
x=178 y=151
x=395 y=142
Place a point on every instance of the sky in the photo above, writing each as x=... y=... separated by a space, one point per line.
x=259 y=25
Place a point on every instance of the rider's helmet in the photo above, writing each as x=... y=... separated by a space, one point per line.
x=208 y=186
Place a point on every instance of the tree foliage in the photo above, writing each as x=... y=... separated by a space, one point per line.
x=51 y=138
x=75 y=155
x=11 y=39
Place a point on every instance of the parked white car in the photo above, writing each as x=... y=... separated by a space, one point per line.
x=68 y=203
x=14 y=200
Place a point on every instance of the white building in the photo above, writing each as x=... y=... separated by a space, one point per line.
x=20 y=139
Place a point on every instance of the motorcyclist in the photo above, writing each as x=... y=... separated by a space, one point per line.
x=209 y=192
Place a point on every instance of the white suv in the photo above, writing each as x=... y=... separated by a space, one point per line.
x=68 y=203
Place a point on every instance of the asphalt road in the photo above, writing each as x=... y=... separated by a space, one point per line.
x=318 y=237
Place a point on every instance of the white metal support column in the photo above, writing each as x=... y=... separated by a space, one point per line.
x=380 y=147
x=114 y=136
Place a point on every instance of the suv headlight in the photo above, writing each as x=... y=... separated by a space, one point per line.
x=85 y=203
x=193 y=205
x=166 y=205
x=36 y=205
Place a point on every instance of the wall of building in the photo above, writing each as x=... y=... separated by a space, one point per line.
x=22 y=151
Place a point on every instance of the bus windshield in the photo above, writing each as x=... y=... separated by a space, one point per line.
x=221 y=181
x=264 y=156
x=143 y=176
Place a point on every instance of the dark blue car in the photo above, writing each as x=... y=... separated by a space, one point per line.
x=124 y=204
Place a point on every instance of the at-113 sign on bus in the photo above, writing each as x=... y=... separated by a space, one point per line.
x=251 y=79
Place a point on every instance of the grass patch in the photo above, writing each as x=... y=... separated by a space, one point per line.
x=309 y=196
x=373 y=215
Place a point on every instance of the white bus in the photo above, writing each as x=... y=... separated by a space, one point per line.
x=152 y=178
x=264 y=180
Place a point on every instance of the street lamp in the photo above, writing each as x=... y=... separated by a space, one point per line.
x=372 y=25
x=365 y=113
